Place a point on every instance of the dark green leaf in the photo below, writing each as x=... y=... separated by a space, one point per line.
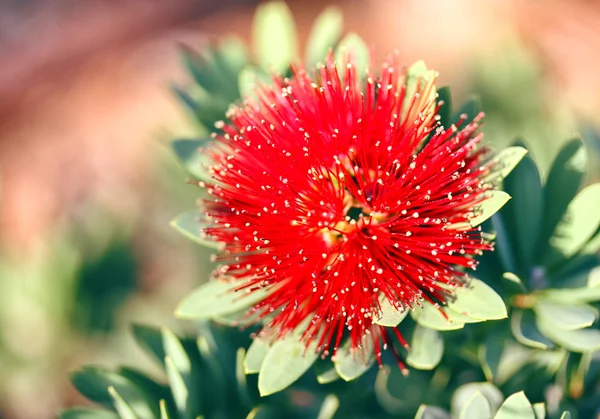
x=445 y=111
x=124 y=410
x=150 y=339
x=84 y=413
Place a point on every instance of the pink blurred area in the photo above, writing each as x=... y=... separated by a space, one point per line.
x=85 y=100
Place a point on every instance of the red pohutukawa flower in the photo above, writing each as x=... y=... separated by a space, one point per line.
x=335 y=192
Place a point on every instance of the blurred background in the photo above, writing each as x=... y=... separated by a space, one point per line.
x=88 y=184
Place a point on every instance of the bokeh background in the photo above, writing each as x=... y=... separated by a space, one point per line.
x=88 y=184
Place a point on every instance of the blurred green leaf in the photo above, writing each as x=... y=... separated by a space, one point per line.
x=445 y=110
x=216 y=298
x=507 y=159
x=164 y=411
x=578 y=224
x=540 y=410
x=325 y=371
x=94 y=383
x=522 y=324
x=255 y=356
x=178 y=386
x=565 y=415
x=565 y=178
x=478 y=300
x=150 y=339
x=477 y=407
x=567 y=317
x=351 y=364
x=84 y=413
x=489 y=207
x=325 y=34
x=124 y=410
x=431 y=412
x=584 y=340
x=189 y=225
x=329 y=407
x=525 y=211
x=465 y=393
x=287 y=360
x=250 y=79
x=274 y=36
x=490 y=354
x=504 y=247
x=193 y=156
x=427 y=348
x=390 y=315
x=516 y=406
x=354 y=47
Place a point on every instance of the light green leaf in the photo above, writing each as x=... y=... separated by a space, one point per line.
x=506 y=160
x=193 y=157
x=353 y=46
x=329 y=407
x=581 y=341
x=416 y=76
x=164 y=411
x=324 y=35
x=540 y=410
x=567 y=317
x=123 y=409
x=84 y=413
x=190 y=226
x=477 y=407
x=274 y=36
x=249 y=80
x=478 y=300
x=517 y=406
x=431 y=412
x=427 y=348
x=177 y=384
x=466 y=392
x=579 y=223
x=429 y=316
x=565 y=415
x=287 y=360
x=522 y=325
x=351 y=364
x=390 y=315
x=489 y=207
x=256 y=354
x=216 y=298
x=326 y=375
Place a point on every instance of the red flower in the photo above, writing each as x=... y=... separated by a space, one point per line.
x=336 y=193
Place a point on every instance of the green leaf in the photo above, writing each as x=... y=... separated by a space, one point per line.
x=83 y=413
x=465 y=393
x=540 y=410
x=478 y=300
x=164 y=411
x=526 y=208
x=581 y=341
x=390 y=315
x=325 y=34
x=490 y=354
x=431 y=412
x=325 y=371
x=123 y=409
x=416 y=76
x=427 y=348
x=477 y=407
x=94 y=382
x=193 y=157
x=216 y=298
x=178 y=386
x=352 y=363
x=150 y=339
x=565 y=178
x=517 y=406
x=329 y=407
x=430 y=316
x=353 y=46
x=567 y=317
x=189 y=225
x=489 y=207
x=249 y=80
x=470 y=109
x=522 y=325
x=506 y=160
x=287 y=360
x=504 y=247
x=255 y=356
x=565 y=415
x=579 y=223
x=274 y=36
x=445 y=111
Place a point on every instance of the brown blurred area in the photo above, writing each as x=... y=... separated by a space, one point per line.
x=84 y=93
